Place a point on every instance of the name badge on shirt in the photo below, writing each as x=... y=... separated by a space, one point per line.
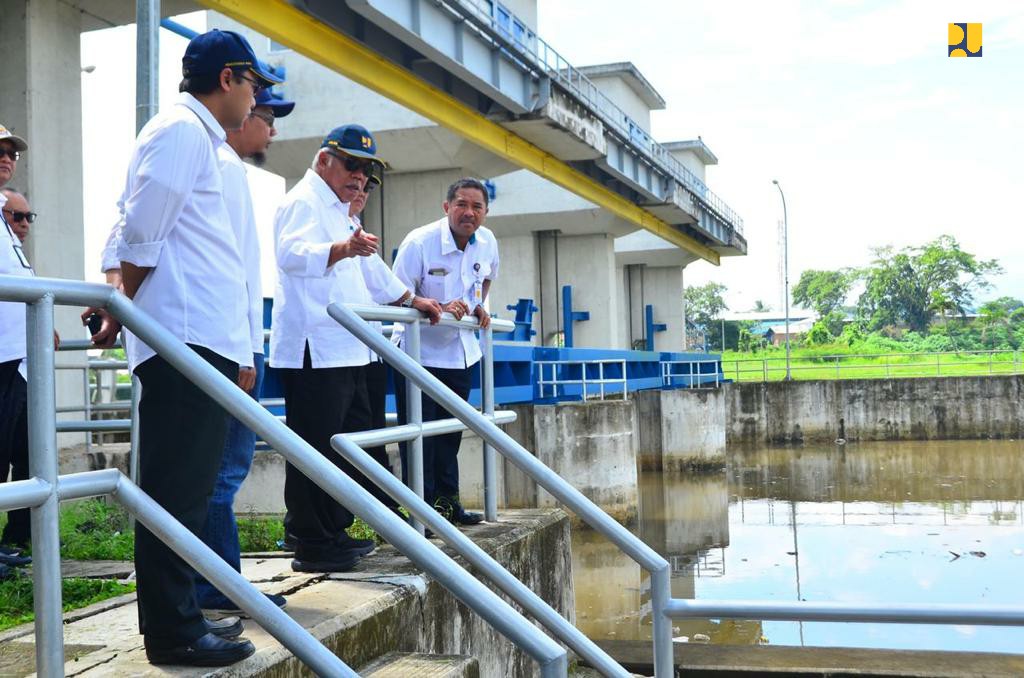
x=438 y=271
x=478 y=292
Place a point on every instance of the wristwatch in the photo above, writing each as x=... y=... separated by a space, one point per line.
x=407 y=302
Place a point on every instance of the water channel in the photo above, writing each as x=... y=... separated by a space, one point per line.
x=909 y=522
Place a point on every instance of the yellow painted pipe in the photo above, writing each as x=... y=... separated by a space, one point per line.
x=289 y=26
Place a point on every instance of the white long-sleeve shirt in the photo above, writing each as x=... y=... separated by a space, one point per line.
x=176 y=222
x=307 y=223
x=239 y=202
x=12 y=313
x=432 y=265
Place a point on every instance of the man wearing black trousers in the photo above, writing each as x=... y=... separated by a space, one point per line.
x=13 y=388
x=180 y=263
x=452 y=260
x=324 y=257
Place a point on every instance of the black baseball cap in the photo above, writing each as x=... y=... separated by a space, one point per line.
x=354 y=140
x=216 y=50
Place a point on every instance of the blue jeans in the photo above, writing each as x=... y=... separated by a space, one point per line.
x=220 y=532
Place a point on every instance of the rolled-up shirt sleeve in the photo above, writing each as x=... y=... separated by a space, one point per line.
x=108 y=259
x=303 y=248
x=157 y=194
x=384 y=286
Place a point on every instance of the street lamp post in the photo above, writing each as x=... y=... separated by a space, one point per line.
x=785 y=269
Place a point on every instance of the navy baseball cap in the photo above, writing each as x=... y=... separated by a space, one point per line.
x=275 y=102
x=216 y=50
x=354 y=140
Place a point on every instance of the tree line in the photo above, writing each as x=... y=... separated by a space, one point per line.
x=913 y=298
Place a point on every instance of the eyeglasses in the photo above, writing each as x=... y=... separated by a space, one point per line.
x=265 y=117
x=353 y=164
x=256 y=87
x=10 y=153
x=13 y=216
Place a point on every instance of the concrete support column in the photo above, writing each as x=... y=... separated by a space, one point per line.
x=587 y=262
x=517 y=278
x=549 y=294
x=42 y=94
x=663 y=287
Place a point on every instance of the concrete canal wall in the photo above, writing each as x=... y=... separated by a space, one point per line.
x=946 y=408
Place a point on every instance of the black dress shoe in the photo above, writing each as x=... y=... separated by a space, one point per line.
x=15 y=560
x=228 y=627
x=339 y=562
x=464 y=517
x=208 y=650
x=360 y=547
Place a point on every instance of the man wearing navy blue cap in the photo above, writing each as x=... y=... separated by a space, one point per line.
x=221 y=530
x=323 y=256
x=180 y=263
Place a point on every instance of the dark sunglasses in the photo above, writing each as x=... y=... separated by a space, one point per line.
x=21 y=216
x=353 y=164
x=265 y=117
x=10 y=153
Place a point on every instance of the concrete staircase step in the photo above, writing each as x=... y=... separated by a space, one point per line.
x=404 y=664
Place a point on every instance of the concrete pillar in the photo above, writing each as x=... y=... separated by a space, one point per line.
x=549 y=295
x=517 y=278
x=663 y=287
x=587 y=262
x=42 y=94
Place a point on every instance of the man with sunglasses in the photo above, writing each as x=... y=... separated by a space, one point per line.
x=220 y=532
x=13 y=388
x=180 y=263
x=324 y=257
x=17 y=213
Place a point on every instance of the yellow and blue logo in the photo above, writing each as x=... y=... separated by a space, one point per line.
x=965 y=40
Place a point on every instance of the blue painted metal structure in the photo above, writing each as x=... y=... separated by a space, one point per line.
x=651 y=327
x=516 y=372
x=569 y=316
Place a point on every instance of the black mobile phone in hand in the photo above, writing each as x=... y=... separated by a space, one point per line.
x=95 y=323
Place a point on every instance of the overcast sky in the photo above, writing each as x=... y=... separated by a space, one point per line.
x=876 y=136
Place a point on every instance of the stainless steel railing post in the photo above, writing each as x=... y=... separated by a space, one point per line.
x=487 y=405
x=42 y=437
x=414 y=408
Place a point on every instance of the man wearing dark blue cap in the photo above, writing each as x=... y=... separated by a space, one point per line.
x=221 y=531
x=323 y=256
x=180 y=263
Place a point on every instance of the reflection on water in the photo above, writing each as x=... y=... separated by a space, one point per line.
x=909 y=522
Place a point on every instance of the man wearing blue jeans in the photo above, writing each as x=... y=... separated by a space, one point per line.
x=220 y=532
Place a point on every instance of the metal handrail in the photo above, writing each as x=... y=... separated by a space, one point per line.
x=584 y=382
x=348 y=447
x=558 y=487
x=39 y=295
x=667 y=375
x=543 y=57
x=931 y=364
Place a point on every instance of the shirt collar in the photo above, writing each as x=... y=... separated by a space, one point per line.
x=323 y=191
x=448 y=244
x=217 y=133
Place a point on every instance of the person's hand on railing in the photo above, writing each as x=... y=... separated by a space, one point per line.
x=457 y=308
x=246 y=378
x=56 y=340
x=428 y=306
x=109 y=327
x=483 y=316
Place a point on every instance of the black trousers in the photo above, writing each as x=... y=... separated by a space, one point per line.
x=440 y=453
x=320 y=403
x=182 y=432
x=377 y=391
x=14 y=447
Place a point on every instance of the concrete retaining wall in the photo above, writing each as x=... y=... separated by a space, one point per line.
x=950 y=408
x=681 y=429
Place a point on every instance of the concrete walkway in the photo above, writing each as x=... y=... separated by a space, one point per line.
x=386 y=605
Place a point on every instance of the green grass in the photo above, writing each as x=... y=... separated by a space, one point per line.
x=807 y=364
x=16 y=597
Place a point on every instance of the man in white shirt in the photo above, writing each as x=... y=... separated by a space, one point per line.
x=452 y=260
x=13 y=389
x=220 y=532
x=18 y=213
x=323 y=258
x=180 y=263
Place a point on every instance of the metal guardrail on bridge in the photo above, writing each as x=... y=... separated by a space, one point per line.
x=877 y=366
